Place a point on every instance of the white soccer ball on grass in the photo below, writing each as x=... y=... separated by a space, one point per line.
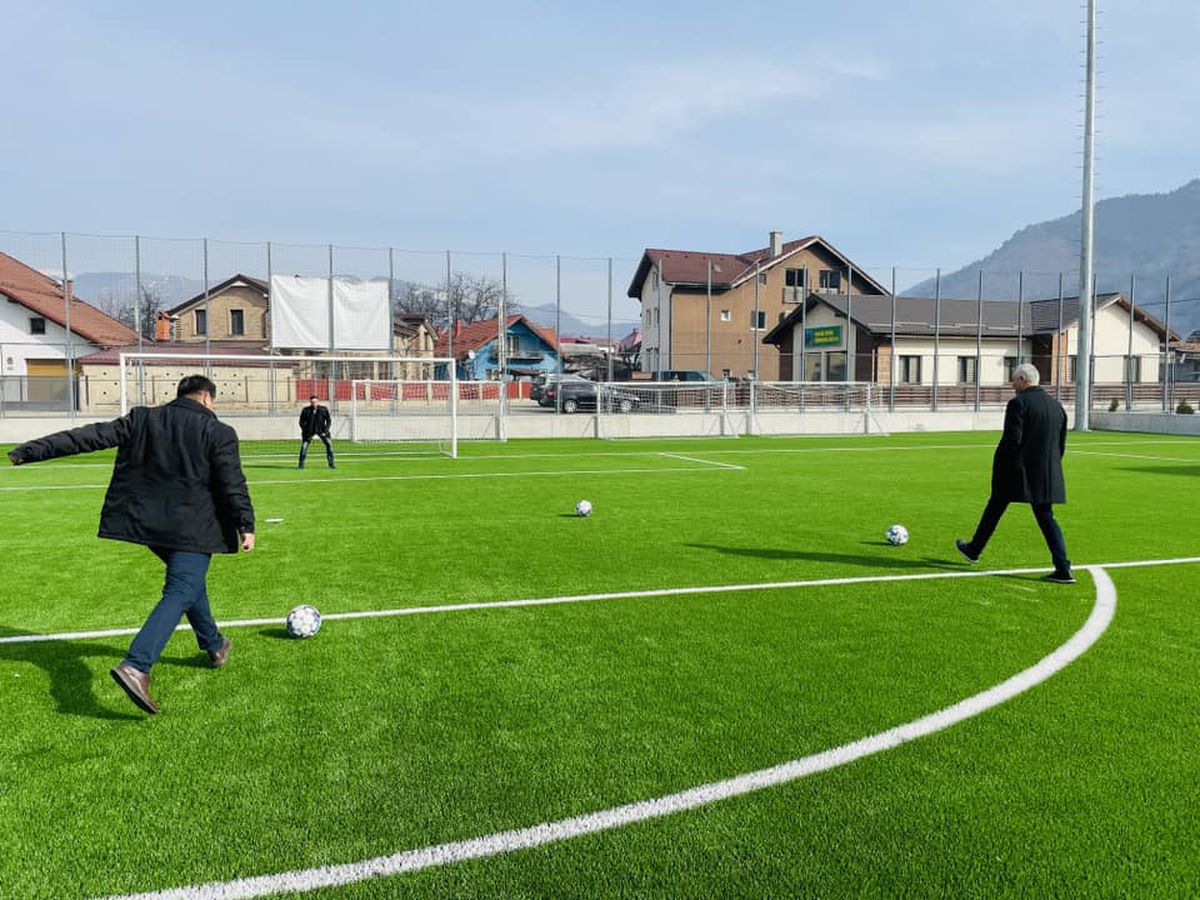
x=583 y=508
x=303 y=622
x=897 y=535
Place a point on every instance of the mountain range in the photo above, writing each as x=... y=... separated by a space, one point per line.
x=1144 y=237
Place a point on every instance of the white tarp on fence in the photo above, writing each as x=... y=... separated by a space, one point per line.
x=300 y=317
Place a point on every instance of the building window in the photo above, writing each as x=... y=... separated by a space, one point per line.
x=726 y=315
x=512 y=344
x=37 y=325
x=794 y=278
x=966 y=369
x=201 y=321
x=654 y=279
x=656 y=317
x=762 y=277
x=758 y=319
x=237 y=321
x=726 y=373
x=1072 y=368
x=1133 y=369
x=1010 y=363
x=910 y=370
x=831 y=280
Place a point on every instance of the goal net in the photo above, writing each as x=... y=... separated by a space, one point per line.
x=378 y=405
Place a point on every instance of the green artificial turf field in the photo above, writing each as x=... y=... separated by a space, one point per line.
x=397 y=733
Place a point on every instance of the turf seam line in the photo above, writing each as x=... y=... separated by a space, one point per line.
x=589 y=598
x=497 y=843
x=711 y=467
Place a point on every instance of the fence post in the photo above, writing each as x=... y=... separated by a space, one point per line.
x=978 y=340
x=1168 y=360
x=1129 y=347
x=937 y=333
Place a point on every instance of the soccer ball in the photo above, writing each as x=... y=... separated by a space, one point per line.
x=303 y=621
x=897 y=535
x=583 y=508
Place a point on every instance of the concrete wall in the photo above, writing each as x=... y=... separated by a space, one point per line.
x=1149 y=423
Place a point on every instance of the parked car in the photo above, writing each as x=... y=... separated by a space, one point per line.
x=683 y=375
x=542 y=382
x=581 y=394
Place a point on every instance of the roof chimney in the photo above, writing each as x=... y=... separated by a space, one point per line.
x=776 y=243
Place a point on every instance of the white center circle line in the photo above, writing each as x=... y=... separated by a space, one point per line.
x=302 y=880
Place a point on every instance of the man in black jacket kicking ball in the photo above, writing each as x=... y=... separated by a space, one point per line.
x=315 y=422
x=177 y=487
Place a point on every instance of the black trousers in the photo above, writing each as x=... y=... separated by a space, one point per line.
x=324 y=440
x=1043 y=512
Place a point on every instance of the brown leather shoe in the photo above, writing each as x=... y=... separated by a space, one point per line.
x=136 y=684
x=220 y=656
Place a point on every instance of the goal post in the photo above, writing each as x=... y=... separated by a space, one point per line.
x=372 y=399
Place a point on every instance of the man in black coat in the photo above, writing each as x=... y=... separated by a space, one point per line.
x=315 y=422
x=1027 y=468
x=177 y=487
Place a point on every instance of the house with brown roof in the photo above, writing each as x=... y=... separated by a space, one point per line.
x=234 y=310
x=36 y=349
x=916 y=342
x=708 y=311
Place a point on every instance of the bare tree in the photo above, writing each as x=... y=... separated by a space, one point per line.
x=473 y=298
x=122 y=309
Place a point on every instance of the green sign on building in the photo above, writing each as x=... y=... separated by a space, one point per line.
x=826 y=336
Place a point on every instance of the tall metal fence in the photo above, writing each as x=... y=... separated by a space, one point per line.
x=921 y=340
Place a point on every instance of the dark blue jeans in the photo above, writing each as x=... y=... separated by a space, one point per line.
x=328 y=449
x=1043 y=512
x=184 y=594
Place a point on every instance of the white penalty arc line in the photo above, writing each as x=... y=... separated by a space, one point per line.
x=303 y=880
x=591 y=598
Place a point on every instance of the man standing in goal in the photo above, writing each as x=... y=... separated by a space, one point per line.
x=315 y=421
x=177 y=487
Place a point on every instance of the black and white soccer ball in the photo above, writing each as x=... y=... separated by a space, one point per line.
x=303 y=622
x=897 y=535
x=583 y=508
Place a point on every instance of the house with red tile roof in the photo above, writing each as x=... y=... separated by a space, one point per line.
x=36 y=349
x=709 y=311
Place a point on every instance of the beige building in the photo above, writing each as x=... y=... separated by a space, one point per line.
x=710 y=311
x=915 y=342
x=234 y=310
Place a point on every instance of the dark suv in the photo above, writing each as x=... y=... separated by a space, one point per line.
x=577 y=395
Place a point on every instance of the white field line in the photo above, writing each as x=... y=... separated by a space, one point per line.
x=591 y=598
x=450 y=476
x=707 y=462
x=603 y=820
x=437 y=458
x=1182 y=459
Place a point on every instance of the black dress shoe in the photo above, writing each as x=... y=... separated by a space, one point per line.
x=1060 y=577
x=136 y=684
x=220 y=656
x=964 y=547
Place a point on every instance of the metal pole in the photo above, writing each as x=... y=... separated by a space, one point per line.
x=658 y=330
x=851 y=357
x=754 y=331
x=1020 y=312
x=610 y=341
x=937 y=332
x=70 y=347
x=708 y=322
x=1087 y=228
x=1168 y=406
x=804 y=340
x=892 y=355
x=391 y=335
x=450 y=320
x=137 y=289
x=1061 y=345
x=502 y=356
x=558 y=329
x=978 y=340
x=332 y=336
x=1129 y=348
x=207 y=314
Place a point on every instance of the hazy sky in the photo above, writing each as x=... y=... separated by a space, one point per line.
x=916 y=134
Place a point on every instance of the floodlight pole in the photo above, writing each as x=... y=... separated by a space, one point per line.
x=1083 y=373
x=708 y=321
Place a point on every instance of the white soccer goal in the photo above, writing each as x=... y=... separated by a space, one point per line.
x=379 y=405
